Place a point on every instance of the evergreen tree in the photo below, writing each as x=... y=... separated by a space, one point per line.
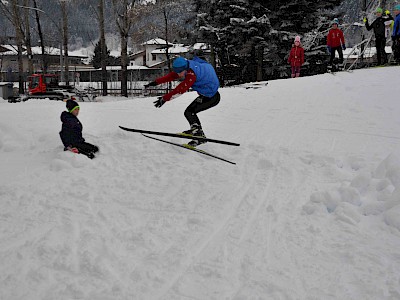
x=96 y=60
x=239 y=30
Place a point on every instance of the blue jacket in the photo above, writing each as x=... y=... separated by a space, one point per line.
x=71 y=131
x=207 y=82
x=396 y=26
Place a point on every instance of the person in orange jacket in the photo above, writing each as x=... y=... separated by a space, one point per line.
x=296 y=57
x=335 y=42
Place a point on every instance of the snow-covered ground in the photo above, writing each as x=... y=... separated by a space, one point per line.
x=310 y=211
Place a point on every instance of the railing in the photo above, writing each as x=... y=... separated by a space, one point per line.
x=136 y=92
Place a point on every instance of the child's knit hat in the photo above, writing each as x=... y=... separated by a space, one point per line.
x=72 y=105
x=297 y=39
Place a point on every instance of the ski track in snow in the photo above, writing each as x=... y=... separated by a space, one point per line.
x=309 y=212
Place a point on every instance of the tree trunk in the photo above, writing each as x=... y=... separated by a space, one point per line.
x=103 y=49
x=124 y=68
x=19 y=41
x=166 y=49
x=28 y=38
x=124 y=23
x=259 y=59
x=44 y=57
x=65 y=39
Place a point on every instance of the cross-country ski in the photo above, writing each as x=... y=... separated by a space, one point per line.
x=186 y=146
x=179 y=135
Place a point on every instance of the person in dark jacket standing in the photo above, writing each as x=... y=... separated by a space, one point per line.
x=296 y=57
x=379 y=28
x=396 y=34
x=335 y=42
x=201 y=77
x=71 y=132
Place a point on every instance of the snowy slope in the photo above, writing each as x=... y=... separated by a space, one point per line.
x=310 y=211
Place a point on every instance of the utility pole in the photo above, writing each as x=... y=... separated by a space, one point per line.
x=103 y=49
x=364 y=11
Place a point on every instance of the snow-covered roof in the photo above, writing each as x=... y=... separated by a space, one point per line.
x=12 y=50
x=139 y=53
x=200 y=46
x=3 y=48
x=180 y=48
x=9 y=50
x=117 y=68
x=175 y=49
x=156 y=41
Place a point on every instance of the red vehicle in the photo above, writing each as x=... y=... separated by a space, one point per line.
x=47 y=86
x=42 y=83
x=44 y=86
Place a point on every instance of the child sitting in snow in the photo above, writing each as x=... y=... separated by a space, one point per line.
x=296 y=57
x=71 y=132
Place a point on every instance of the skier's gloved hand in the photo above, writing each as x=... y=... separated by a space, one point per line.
x=153 y=83
x=159 y=102
x=344 y=47
x=365 y=20
x=329 y=49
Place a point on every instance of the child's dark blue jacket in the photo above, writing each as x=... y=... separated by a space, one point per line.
x=71 y=131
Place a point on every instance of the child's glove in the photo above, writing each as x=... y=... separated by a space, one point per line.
x=365 y=20
x=329 y=49
x=344 y=47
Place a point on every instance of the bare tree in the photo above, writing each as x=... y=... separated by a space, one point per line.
x=40 y=33
x=12 y=12
x=123 y=12
x=27 y=36
x=166 y=13
x=63 y=4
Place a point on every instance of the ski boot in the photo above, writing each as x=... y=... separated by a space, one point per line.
x=195 y=143
x=195 y=129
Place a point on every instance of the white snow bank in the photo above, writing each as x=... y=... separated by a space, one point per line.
x=369 y=193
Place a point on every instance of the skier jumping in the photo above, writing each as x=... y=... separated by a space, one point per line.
x=201 y=77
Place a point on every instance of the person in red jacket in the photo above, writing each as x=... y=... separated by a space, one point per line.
x=335 y=42
x=296 y=57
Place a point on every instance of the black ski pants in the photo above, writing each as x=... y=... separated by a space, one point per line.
x=340 y=51
x=201 y=103
x=396 y=49
x=380 y=43
x=86 y=148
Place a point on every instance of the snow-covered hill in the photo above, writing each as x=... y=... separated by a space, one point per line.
x=310 y=211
